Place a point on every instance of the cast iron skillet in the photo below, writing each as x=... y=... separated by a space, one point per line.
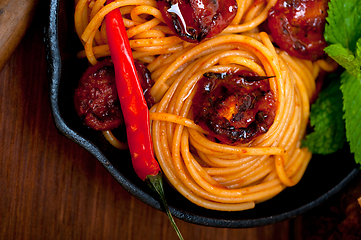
x=325 y=176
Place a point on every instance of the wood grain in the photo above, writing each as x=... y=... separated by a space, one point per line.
x=15 y=18
x=53 y=189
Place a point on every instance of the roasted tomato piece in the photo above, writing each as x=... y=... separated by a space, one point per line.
x=96 y=97
x=195 y=20
x=233 y=109
x=297 y=27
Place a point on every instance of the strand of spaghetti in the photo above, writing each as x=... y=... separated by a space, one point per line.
x=293 y=163
x=306 y=76
x=211 y=188
x=149 y=34
x=98 y=38
x=164 y=29
x=303 y=100
x=179 y=82
x=280 y=162
x=205 y=203
x=78 y=17
x=224 y=162
x=261 y=163
x=304 y=103
x=207 y=63
x=284 y=111
x=174 y=155
x=144 y=9
x=164 y=60
x=163 y=51
x=301 y=72
x=327 y=66
x=236 y=150
x=160 y=70
x=240 y=11
x=201 y=201
x=203 y=174
x=102 y=50
x=139 y=10
x=242 y=198
x=243 y=62
x=154 y=42
x=168 y=48
x=96 y=7
x=303 y=165
x=204 y=160
x=299 y=158
x=184 y=111
x=265 y=38
x=103 y=32
x=252 y=178
x=292 y=136
x=169 y=60
x=270 y=195
x=261 y=186
x=162 y=105
x=125 y=10
x=228 y=170
x=253 y=11
x=176 y=119
x=98 y=18
x=245 y=168
x=143 y=27
x=198 y=173
x=204 y=149
x=114 y=141
x=253 y=45
x=244 y=27
x=89 y=49
x=287 y=111
x=146 y=59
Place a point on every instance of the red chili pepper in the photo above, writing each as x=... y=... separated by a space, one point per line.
x=134 y=107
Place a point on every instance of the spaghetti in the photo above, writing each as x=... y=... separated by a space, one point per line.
x=211 y=174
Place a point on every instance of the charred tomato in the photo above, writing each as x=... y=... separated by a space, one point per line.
x=96 y=97
x=233 y=109
x=297 y=27
x=195 y=20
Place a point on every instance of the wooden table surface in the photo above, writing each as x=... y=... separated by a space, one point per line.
x=51 y=188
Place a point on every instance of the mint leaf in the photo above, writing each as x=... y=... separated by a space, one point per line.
x=343 y=33
x=326 y=118
x=346 y=58
x=343 y=23
x=351 y=89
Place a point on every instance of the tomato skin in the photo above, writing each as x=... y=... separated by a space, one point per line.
x=96 y=97
x=195 y=20
x=297 y=27
x=231 y=108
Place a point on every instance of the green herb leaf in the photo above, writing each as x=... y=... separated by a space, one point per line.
x=343 y=23
x=351 y=89
x=326 y=118
x=343 y=33
x=346 y=58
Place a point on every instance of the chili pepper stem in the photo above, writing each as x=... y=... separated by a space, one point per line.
x=156 y=183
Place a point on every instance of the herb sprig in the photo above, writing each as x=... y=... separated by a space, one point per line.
x=339 y=105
